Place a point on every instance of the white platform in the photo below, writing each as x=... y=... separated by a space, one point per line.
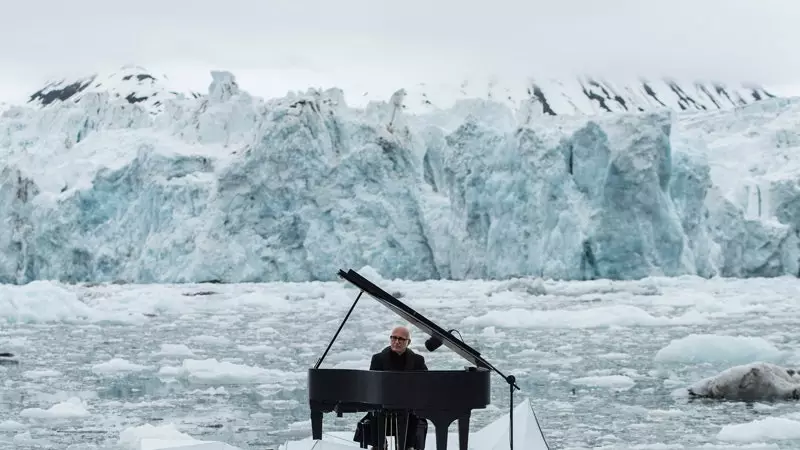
x=180 y=444
x=492 y=437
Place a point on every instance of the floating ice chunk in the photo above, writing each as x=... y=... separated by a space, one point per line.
x=42 y=301
x=211 y=391
x=259 y=299
x=11 y=425
x=163 y=403
x=614 y=356
x=72 y=408
x=750 y=382
x=258 y=348
x=149 y=437
x=617 y=382
x=211 y=371
x=14 y=343
x=117 y=365
x=174 y=350
x=530 y=286
x=38 y=374
x=715 y=348
x=770 y=428
x=210 y=340
x=605 y=316
x=131 y=437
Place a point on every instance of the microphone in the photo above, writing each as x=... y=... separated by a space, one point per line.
x=433 y=342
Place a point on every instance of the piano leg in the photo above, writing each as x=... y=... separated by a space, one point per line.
x=442 y=421
x=316 y=425
x=463 y=431
x=441 y=436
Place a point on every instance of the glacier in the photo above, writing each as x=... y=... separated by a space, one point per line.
x=229 y=187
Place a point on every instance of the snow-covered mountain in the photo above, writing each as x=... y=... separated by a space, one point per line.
x=230 y=187
x=588 y=95
x=132 y=83
x=579 y=95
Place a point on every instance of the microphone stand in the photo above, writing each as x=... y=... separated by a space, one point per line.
x=511 y=379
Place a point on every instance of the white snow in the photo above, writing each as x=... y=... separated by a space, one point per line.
x=130 y=83
x=567 y=95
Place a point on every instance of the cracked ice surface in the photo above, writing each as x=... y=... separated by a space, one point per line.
x=603 y=363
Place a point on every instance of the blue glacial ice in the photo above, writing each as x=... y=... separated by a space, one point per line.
x=228 y=187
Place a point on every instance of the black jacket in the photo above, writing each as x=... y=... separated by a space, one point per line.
x=386 y=360
x=417 y=428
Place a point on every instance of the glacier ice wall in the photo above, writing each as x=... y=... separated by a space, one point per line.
x=231 y=188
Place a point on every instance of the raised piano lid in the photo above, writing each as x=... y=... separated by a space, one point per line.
x=420 y=321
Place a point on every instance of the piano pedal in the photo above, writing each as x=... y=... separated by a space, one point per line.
x=338 y=410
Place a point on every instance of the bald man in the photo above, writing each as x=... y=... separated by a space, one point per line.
x=398 y=357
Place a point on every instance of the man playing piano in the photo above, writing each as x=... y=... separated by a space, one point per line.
x=397 y=357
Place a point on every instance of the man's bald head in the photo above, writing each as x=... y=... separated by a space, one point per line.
x=400 y=338
x=401 y=330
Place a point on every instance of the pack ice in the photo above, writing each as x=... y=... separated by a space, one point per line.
x=229 y=187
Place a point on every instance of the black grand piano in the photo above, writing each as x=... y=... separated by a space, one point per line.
x=440 y=396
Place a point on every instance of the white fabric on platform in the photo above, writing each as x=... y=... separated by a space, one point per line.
x=181 y=444
x=492 y=437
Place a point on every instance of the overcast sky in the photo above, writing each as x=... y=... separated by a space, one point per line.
x=274 y=44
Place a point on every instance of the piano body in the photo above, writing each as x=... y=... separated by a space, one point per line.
x=440 y=396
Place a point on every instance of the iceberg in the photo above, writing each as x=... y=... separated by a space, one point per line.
x=752 y=382
x=228 y=187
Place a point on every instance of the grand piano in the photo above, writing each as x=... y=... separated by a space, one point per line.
x=440 y=396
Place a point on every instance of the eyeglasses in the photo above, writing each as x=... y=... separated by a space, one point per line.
x=397 y=338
